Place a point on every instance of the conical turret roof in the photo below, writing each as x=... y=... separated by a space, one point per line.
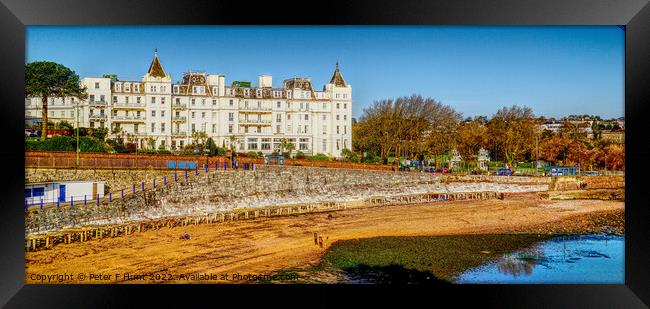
x=337 y=78
x=155 y=68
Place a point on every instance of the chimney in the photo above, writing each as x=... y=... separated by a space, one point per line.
x=265 y=81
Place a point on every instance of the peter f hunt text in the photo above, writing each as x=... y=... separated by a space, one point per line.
x=82 y=277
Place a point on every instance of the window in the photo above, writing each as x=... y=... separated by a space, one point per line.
x=245 y=129
x=127 y=87
x=337 y=117
x=162 y=113
x=324 y=148
x=126 y=99
x=279 y=104
x=345 y=117
x=277 y=129
x=193 y=101
x=202 y=115
x=135 y=128
x=338 y=105
x=288 y=116
x=231 y=116
x=306 y=129
x=306 y=116
x=324 y=129
x=214 y=128
x=178 y=101
x=279 y=118
x=153 y=100
x=92 y=124
x=214 y=102
x=324 y=117
x=229 y=128
x=162 y=100
x=38 y=191
x=102 y=98
x=337 y=129
x=136 y=87
x=301 y=105
x=162 y=128
x=181 y=144
x=193 y=127
x=252 y=144
x=153 y=127
x=337 y=145
x=96 y=85
x=345 y=129
x=193 y=115
x=345 y=105
x=307 y=105
x=230 y=102
x=175 y=88
x=202 y=102
x=153 y=113
x=137 y=100
x=138 y=114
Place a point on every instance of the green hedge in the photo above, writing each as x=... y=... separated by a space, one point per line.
x=318 y=157
x=67 y=143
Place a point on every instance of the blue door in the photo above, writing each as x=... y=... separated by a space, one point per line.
x=62 y=193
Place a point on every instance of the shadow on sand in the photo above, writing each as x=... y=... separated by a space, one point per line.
x=391 y=274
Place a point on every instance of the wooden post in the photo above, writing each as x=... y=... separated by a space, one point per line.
x=315 y=238
x=320 y=241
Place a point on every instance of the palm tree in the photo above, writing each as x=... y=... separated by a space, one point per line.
x=233 y=141
x=46 y=79
x=284 y=144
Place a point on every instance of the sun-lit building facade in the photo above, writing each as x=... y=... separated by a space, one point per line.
x=156 y=112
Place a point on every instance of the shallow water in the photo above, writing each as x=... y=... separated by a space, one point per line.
x=581 y=259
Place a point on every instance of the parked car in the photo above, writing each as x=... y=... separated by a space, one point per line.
x=28 y=132
x=443 y=171
x=591 y=173
x=36 y=133
x=504 y=172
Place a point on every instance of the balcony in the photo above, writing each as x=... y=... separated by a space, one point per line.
x=128 y=118
x=179 y=134
x=100 y=117
x=256 y=122
x=128 y=105
x=254 y=109
x=179 y=106
x=98 y=103
x=178 y=119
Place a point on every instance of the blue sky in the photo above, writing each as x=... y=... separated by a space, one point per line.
x=557 y=71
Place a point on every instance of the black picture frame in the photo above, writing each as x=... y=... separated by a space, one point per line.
x=632 y=15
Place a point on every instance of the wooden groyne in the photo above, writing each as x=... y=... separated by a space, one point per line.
x=49 y=239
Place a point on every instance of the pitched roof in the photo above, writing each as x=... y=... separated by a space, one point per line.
x=337 y=78
x=156 y=69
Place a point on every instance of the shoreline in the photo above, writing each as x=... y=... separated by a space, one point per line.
x=268 y=245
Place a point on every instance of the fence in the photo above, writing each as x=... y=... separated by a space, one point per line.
x=47 y=240
x=122 y=161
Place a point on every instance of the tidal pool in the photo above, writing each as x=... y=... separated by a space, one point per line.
x=579 y=259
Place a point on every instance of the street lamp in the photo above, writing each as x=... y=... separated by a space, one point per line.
x=77 y=127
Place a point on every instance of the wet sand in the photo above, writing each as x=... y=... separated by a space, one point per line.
x=266 y=245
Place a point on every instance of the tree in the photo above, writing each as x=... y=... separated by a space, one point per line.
x=472 y=136
x=285 y=144
x=211 y=146
x=512 y=132
x=199 y=136
x=46 y=80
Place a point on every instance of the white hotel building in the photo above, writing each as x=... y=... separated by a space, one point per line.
x=258 y=117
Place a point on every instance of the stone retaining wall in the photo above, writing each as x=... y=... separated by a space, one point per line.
x=267 y=186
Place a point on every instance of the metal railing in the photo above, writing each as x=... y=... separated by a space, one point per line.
x=179 y=118
x=128 y=105
x=254 y=121
x=99 y=116
x=254 y=108
x=142 y=118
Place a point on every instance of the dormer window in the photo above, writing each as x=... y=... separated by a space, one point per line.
x=96 y=85
x=175 y=89
x=136 y=87
x=117 y=87
x=127 y=87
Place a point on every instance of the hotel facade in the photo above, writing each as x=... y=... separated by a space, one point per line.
x=156 y=112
